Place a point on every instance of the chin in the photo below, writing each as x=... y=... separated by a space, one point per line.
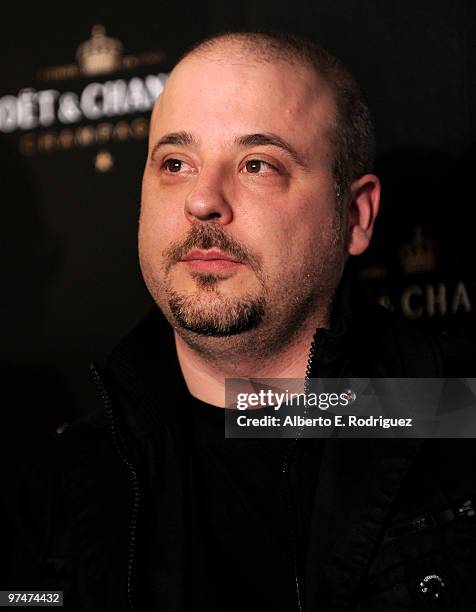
x=219 y=317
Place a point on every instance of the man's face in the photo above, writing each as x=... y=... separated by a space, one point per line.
x=238 y=224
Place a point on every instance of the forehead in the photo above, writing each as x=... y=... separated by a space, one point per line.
x=217 y=96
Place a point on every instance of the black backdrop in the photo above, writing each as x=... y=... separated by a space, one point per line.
x=70 y=177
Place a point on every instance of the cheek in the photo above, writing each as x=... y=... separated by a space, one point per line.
x=161 y=222
x=154 y=237
x=299 y=222
x=150 y=227
x=298 y=237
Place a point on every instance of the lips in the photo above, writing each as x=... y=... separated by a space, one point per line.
x=211 y=255
x=211 y=260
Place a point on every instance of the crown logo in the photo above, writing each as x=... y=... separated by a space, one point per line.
x=420 y=254
x=100 y=53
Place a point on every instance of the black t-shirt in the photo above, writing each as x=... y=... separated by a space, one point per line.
x=241 y=550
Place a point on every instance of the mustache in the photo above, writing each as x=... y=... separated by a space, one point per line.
x=207 y=236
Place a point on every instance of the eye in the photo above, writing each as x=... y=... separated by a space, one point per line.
x=172 y=165
x=258 y=166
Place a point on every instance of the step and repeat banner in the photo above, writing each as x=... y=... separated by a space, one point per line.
x=75 y=101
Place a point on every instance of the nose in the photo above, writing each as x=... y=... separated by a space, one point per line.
x=207 y=200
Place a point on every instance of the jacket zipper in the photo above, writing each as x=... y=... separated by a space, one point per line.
x=121 y=450
x=288 y=495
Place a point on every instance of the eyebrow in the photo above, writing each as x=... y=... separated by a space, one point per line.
x=248 y=140
x=253 y=140
x=174 y=138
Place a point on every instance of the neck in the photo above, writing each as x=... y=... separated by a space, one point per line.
x=206 y=364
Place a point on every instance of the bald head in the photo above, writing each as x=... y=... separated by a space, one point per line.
x=353 y=134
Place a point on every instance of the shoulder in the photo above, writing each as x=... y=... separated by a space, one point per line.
x=75 y=458
x=75 y=485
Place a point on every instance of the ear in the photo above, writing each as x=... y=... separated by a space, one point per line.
x=363 y=205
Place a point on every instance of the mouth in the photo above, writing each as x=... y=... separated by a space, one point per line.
x=210 y=261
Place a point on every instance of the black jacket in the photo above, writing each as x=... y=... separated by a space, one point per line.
x=393 y=524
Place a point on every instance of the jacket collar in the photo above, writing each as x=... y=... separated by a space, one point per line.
x=144 y=367
x=329 y=359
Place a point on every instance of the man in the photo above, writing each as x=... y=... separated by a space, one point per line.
x=257 y=189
